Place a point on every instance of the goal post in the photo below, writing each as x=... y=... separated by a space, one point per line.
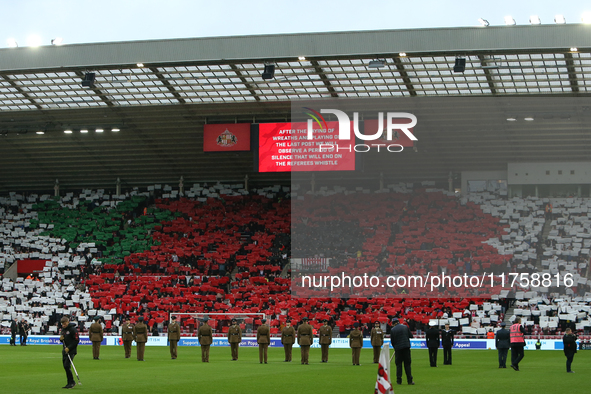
x=219 y=322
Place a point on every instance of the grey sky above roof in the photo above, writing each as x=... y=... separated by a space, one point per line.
x=82 y=21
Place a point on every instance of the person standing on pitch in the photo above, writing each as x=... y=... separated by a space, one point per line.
x=140 y=336
x=23 y=329
x=377 y=341
x=432 y=337
x=96 y=337
x=502 y=342
x=356 y=343
x=325 y=335
x=174 y=335
x=234 y=338
x=400 y=338
x=570 y=348
x=288 y=339
x=305 y=339
x=69 y=338
x=263 y=339
x=13 y=331
x=205 y=339
x=517 y=338
x=447 y=341
x=127 y=336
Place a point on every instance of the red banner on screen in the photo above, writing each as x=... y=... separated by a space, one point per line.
x=370 y=126
x=30 y=266
x=285 y=147
x=226 y=137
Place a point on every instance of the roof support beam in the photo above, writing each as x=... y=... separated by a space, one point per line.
x=324 y=78
x=572 y=73
x=20 y=91
x=245 y=82
x=487 y=74
x=170 y=88
x=405 y=77
x=98 y=92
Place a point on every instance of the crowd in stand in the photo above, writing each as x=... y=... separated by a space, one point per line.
x=221 y=248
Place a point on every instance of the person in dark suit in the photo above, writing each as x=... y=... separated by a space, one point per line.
x=140 y=336
x=569 y=341
x=502 y=342
x=400 y=338
x=174 y=335
x=305 y=339
x=325 y=339
x=205 y=339
x=356 y=343
x=234 y=338
x=127 y=337
x=432 y=338
x=288 y=335
x=377 y=340
x=13 y=331
x=447 y=341
x=95 y=334
x=263 y=339
x=69 y=338
x=23 y=330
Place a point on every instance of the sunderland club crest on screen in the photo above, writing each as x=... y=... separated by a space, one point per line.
x=226 y=139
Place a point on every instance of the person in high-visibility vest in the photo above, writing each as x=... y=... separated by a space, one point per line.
x=517 y=338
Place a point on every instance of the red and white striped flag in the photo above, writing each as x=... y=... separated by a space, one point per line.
x=383 y=385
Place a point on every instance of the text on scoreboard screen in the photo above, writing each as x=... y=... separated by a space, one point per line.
x=286 y=147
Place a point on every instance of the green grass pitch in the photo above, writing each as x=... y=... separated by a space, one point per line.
x=37 y=369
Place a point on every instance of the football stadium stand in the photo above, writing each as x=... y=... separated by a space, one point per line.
x=148 y=254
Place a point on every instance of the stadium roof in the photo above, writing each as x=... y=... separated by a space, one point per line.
x=162 y=105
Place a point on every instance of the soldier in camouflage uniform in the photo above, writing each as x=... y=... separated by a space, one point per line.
x=234 y=338
x=140 y=336
x=174 y=335
x=205 y=339
x=127 y=336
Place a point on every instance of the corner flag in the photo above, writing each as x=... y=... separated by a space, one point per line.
x=383 y=385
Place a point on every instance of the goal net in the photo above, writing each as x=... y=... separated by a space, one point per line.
x=219 y=322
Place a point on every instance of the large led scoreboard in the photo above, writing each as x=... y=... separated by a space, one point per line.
x=286 y=147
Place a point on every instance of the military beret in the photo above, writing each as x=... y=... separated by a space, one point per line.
x=263 y=320
x=97 y=318
x=304 y=318
x=206 y=318
x=173 y=318
x=141 y=318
